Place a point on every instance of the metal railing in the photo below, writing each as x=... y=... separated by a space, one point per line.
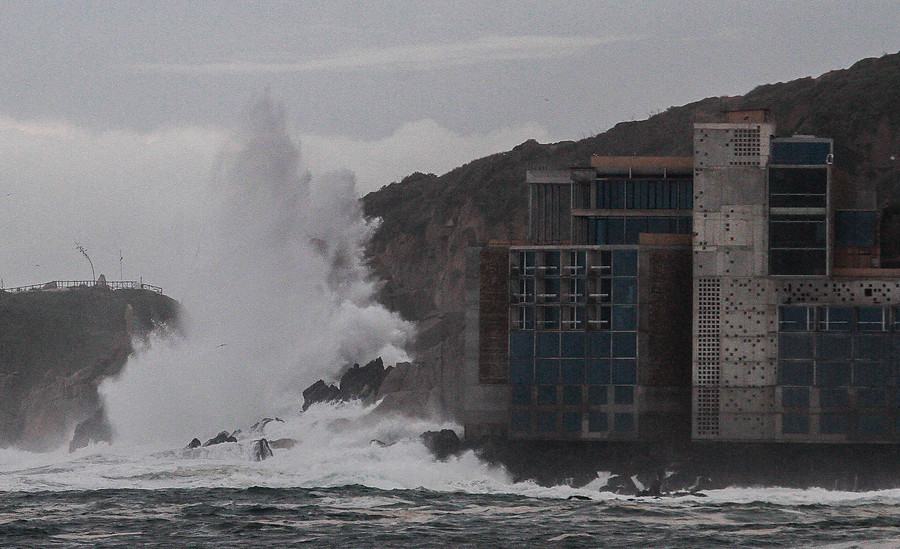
x=72 y=284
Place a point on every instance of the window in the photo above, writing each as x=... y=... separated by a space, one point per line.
x=525 y=319
x=795 y=424
x=572 y=395
x=597 y=395
x=870 y=424
x=834 y=398
x=624 y=372
x=578 y=262
x=551 y=290
x=796 y=318
x=571 y=422
x=571 y=371
x=521 y=371
x=796 y=345
x=547 y=344
x=572 y=344
x=598 y=371
x=871 y=398
x=872 y=319
x=526 y=262
x=624 y=344
x=545 y=421
x=521 y=344
x=624 y=290
x=832 y=374
x=624 y=263
x=798 y=187
x=833 y=424
x=836 y=319
x=573 y=318
x=624 y=317
x=551 y=263
x=598 y=344
x=795 y=397
x=602 y=322
x=526 y=290
x=521 y=421
x=795 y=372
x=797 y=244
x=833 y=346
x=550 y=318
x=521 y=395
x=576 y=290
x=546 y=394
x=872 y=347
x=854 y=229
x=624 y=423
x=623 y=394
x=597 y=422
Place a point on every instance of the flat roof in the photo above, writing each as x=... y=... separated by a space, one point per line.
x=625 y=162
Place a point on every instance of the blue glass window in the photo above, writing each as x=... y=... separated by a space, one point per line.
x=624 y=344
x=796 y=318
x=871 y=398
x=571 y=371
x=832 y=374
x=550 y=318
x=796 y=345
x=521 y=344
x=870 y=424
x=833 y=424
x=572 y=344
x=521 y=395
x=795 y=424
x=603 y=320
x=833 y=346
x=597 y=422
x=571 y=422
x=546 y=394
x=615 y=231
x=795 y=397
x=551 y=263
x=526 y=262
x=835 y=319
x=624 y=372
x=872 y=374
x=624 y=317
x=547 y=343
x=624 y=290
x=872 y=319
x=605 y=290
x=521 y=371
x=526 y=290
x=576 y=290
x=834 y=398
x=545 y=421
x=551 y=290
x=598 y=344
x=526 y=318
x=597 y=395
x=624 y=423
x=578 y=260
x=572 y=395
x=855 y=229
x=598 y=371
x=546 y=371
x=624 y=263
x=634 y=226
x=623 y=394
x=872 y=346
x=795 y=372
x=521 y=421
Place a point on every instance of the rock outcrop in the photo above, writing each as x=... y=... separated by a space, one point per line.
x=357 y=383
x=92 y=430
x=443 y=443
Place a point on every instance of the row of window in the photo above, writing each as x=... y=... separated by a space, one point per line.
x=571 y=422
x=837 y=374
x=798 y=187
x=524 y=344
x=575 y=371
x=838 y=424
x=836 y=397
x=572 y=395
x=625 y=230
x=554 y=263
x=574 y=290
x=824 y=346
x=653 y=194
x=832 y=318
x=577 y=318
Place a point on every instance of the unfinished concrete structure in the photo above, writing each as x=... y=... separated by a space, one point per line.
x=734 y=295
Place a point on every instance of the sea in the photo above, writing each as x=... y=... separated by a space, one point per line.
x=357 y=480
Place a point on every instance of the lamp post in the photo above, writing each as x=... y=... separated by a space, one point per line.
x=81 y=249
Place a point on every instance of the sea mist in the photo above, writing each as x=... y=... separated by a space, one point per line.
x=278 y=297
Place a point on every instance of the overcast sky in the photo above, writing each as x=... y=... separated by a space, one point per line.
x=112 y=113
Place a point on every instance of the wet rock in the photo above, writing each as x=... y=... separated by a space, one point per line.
x=260 y=425
x=219 y=439
x=194 y=443
x=261 y=450
x=363 y=383
x=622 y=485
x=283 y=444
x=443 y=443
x=320 y=392
x=92 y=430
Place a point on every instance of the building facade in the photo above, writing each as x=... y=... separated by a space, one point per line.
x=734 y=295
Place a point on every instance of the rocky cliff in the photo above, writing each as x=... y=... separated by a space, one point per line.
x=429 y=221
x=56 y=347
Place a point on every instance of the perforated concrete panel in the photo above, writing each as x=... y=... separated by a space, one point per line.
x=747 y=426
x=839 y=291
x=705 y=412
x=748 y=400
x=731 y=144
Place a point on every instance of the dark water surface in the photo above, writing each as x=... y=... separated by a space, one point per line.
x=357 y=516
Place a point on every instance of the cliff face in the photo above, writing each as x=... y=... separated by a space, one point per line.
x=56 y=347
x=429 y=221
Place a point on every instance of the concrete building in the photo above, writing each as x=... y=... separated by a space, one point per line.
x=734 y=295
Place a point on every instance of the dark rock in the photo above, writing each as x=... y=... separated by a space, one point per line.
x=363 y=383
x=320 y=392
x=622 y=485
x=195 y=443
x=282 y=444
x=219 y=439
x=261 y=450
x=578 y=497
x=443 y=443
x=260 y=425
x=92 y=430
